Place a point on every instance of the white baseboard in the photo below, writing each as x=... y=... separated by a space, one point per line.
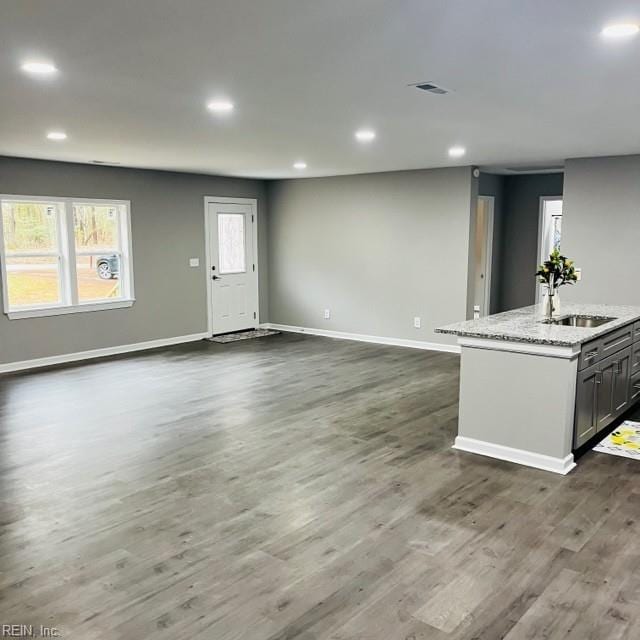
x=342 y=335
x=10 y=367
x=519 y=456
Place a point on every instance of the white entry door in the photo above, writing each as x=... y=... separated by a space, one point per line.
x=232 y=269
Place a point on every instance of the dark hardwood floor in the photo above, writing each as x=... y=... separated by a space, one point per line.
x=295 y=487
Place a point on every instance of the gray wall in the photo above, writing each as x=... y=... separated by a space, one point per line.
x=601 y=228
x=519 y=238
x=167 y=223
x=376 y=249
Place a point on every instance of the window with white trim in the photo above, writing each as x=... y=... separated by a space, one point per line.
x=64 y=255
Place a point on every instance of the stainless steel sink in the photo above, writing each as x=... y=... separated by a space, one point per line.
x=580 y=321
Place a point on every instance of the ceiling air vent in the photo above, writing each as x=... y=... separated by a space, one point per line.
x=431 y=87
x=537 y=169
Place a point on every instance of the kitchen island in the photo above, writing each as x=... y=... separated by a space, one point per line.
x=532 y=392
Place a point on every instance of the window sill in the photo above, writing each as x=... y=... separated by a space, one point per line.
x=59 y=311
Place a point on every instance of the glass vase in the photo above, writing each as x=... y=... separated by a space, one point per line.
x=550 y=306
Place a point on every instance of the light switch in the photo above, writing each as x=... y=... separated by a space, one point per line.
x=194 y=262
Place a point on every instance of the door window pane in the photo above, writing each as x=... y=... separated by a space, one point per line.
x=95 y=227
x=33 y=281
x=30 y=226
x=556 y=223
x=98 y=277
x=231 y=249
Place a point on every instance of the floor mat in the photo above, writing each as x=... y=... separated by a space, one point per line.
x=624 y=441
x=243 y=335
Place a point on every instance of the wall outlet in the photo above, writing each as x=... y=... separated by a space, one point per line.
x=476 y=312
x=327 y=314
x=579 y=273
x=417 y=322
x=194 y=262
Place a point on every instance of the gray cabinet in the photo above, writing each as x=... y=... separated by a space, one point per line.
x=607 y=388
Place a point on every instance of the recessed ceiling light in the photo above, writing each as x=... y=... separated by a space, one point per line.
x=457 y=152
x=300 y=165
x=365 y=135
x=621 y=30
x=220 y=106
x=57 y=135
x=39 y=68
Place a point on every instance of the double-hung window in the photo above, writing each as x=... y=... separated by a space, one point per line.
x=64 y=255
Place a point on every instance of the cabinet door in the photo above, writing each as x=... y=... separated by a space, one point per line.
x=621 y=382
x=586 y=419
x=635 y=356
x=634 y=388
x=605 y=381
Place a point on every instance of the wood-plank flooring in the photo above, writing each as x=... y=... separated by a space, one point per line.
x=295 y=487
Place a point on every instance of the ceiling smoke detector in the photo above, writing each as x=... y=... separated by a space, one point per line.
x=431 y=87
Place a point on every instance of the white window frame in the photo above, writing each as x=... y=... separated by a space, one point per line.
x=66 y=253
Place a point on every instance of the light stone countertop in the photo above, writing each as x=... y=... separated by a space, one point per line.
x=524 y=325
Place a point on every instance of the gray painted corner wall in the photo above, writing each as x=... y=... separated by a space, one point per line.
x=167 y=224
x=601 y=228
x=519 y=239
x=375 y=249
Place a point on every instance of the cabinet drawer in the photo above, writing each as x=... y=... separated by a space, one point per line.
x=613 y=342
x=636 y=331
x=634 y=387
x=590 y=354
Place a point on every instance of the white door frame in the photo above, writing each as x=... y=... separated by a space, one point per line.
x=253 y=202
x=491 y=201
x=541 y=226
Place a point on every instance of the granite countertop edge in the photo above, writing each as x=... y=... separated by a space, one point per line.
x=525 y=326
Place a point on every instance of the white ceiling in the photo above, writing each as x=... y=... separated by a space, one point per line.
x=533 y=80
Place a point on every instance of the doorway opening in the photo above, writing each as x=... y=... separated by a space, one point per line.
x=549 y=232
x=483 y=252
